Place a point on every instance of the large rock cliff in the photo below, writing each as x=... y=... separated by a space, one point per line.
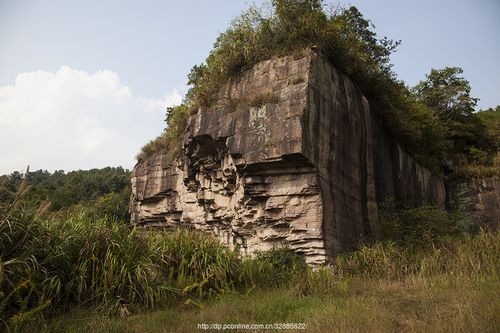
x=289 y=153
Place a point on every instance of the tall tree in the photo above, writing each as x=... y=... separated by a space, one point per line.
x=447 y=93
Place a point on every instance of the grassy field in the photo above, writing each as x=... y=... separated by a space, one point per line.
x=442 y=303
x=380 y=288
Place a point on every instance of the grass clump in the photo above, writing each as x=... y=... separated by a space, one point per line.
x=171 y=138
x=473 y=256
x=480 y=170
x=257 y=101
x=272 y=269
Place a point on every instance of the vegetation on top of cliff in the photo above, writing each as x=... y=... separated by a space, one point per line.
x=433 y=121
x=171 y=138
x=491 y=118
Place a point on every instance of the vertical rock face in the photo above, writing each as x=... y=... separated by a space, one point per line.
x=359 y=163
x=291 y=154
x=479 y=199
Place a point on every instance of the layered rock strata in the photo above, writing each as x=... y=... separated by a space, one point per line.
x=290 y=153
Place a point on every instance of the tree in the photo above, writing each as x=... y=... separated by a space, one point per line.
x=447 y=94
x=491 y=119
x=105 y=190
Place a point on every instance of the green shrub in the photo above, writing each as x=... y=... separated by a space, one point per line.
x=318 y=281
x=421 y=227
x=273 y=268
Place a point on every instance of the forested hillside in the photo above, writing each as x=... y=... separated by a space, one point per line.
x=98 y=191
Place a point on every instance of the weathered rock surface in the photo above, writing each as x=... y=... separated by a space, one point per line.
x=479 y=199
x=290 y=153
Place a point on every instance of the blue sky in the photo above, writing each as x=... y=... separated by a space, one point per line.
x=85 y=83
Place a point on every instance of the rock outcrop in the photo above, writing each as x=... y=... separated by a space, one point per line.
x=478 y=199
x=290 y=153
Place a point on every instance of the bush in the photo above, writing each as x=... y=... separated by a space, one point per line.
x=113 y=205
x=273 y=268
x=421 y=227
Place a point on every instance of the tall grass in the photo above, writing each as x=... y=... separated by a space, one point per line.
x=49 y=265
x=53 y=263
x=472 y=255
x=453 y=288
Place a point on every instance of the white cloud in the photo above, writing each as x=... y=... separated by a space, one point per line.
x=75 y=120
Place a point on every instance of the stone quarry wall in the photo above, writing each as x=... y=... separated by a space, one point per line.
x=478 y=199
x=289 y=153
x=359 y=163
x=243 y=176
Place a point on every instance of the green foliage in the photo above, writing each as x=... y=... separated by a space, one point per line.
x=171 y=138
x=74 y=260
x=424 y=240
x=273 y=268
x=345 y=37
x=100 y=191
x=451 y=288
x=478 y=171
x=113 y=204
x=421 y=227
x=447 y=94
x=491 y=119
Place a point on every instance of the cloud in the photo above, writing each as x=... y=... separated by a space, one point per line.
x=75 y=120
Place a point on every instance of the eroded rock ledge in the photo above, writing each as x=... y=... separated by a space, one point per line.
x=290 y=153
